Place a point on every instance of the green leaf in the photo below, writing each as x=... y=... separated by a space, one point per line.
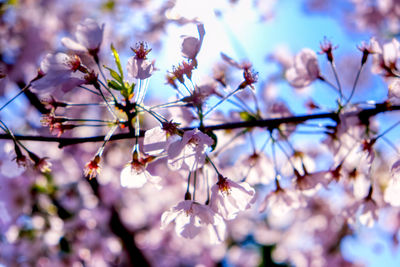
x=114 y=74
x=246 y=116
x=128 y=90
x=117 y=61
x=108 y=6
x=114 y=85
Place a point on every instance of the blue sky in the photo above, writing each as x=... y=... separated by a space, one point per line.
x=240 y=34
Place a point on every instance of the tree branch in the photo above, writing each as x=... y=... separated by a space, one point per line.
x=363 y=114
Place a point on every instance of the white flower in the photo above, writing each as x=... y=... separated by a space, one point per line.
x=61 y=71
x=228 y=197
x=385 y=57
x=191 y=45
x=89 y=36
x=4 y=215
x=392 y=193
x=189 y=150
x=369 y=213
x=155 y=141
x=281 y=201
x=135 y=175
x=304 y=70
x=192 y=218
x=138 y=66
x=394 y=92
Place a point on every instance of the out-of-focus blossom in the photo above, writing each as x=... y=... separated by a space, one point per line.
x=281 y=201
x=250 y=77
x=89 y=36
x=369 y=213
x=394 y=92
x=191 y=218
x=190 y=150
x=61 y=71
x=305 y=69
x=229 y=197
x=4 y=216
x=138 y=66
x=308 y=182
x=385 y=58
x=392 y=190
x=41 y=164
x=191 y=45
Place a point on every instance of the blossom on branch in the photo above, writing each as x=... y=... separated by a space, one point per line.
x=305 y=69
x=89 y=36
x=191 y=45
x=60 y=71
x=192 y=218
x=190 y=149
x=135 y=174
x=229 y=197
x=138 y=66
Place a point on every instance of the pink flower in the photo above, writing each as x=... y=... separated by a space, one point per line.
x=394 y=92
x=155 y=140
x=369 y=213
x=138 y=66
x=385 y=58
x=192 y=218
x=281 y=201
x=305 y=69
x=88 y=38
x=228 y=197
x=60 y=72
x=189 y=150
x=4 y=215
x=191 y=45
x=309 y=182
x=92 y=168
x=135 y=174
x=392 y=192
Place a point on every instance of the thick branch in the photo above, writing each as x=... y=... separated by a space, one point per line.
x=363 y=114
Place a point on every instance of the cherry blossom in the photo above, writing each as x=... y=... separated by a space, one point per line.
x=191 y=45
x=281 y=201
x=138 y=66
x=4 y=216
x=189 y=150
x=191 y=218
x=61 y=71
x=392 y=190
x=229 y=197
x=92 y=168
x=385 y=58
x=89 y=36
x=135 y=174
x=394 y=92
x=304 y=70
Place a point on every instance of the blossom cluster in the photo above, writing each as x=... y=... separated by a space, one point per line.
x=189 y=176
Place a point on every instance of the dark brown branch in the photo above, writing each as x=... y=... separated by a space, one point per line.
x=364 y=115
x=133 y=253
x=33 y=99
